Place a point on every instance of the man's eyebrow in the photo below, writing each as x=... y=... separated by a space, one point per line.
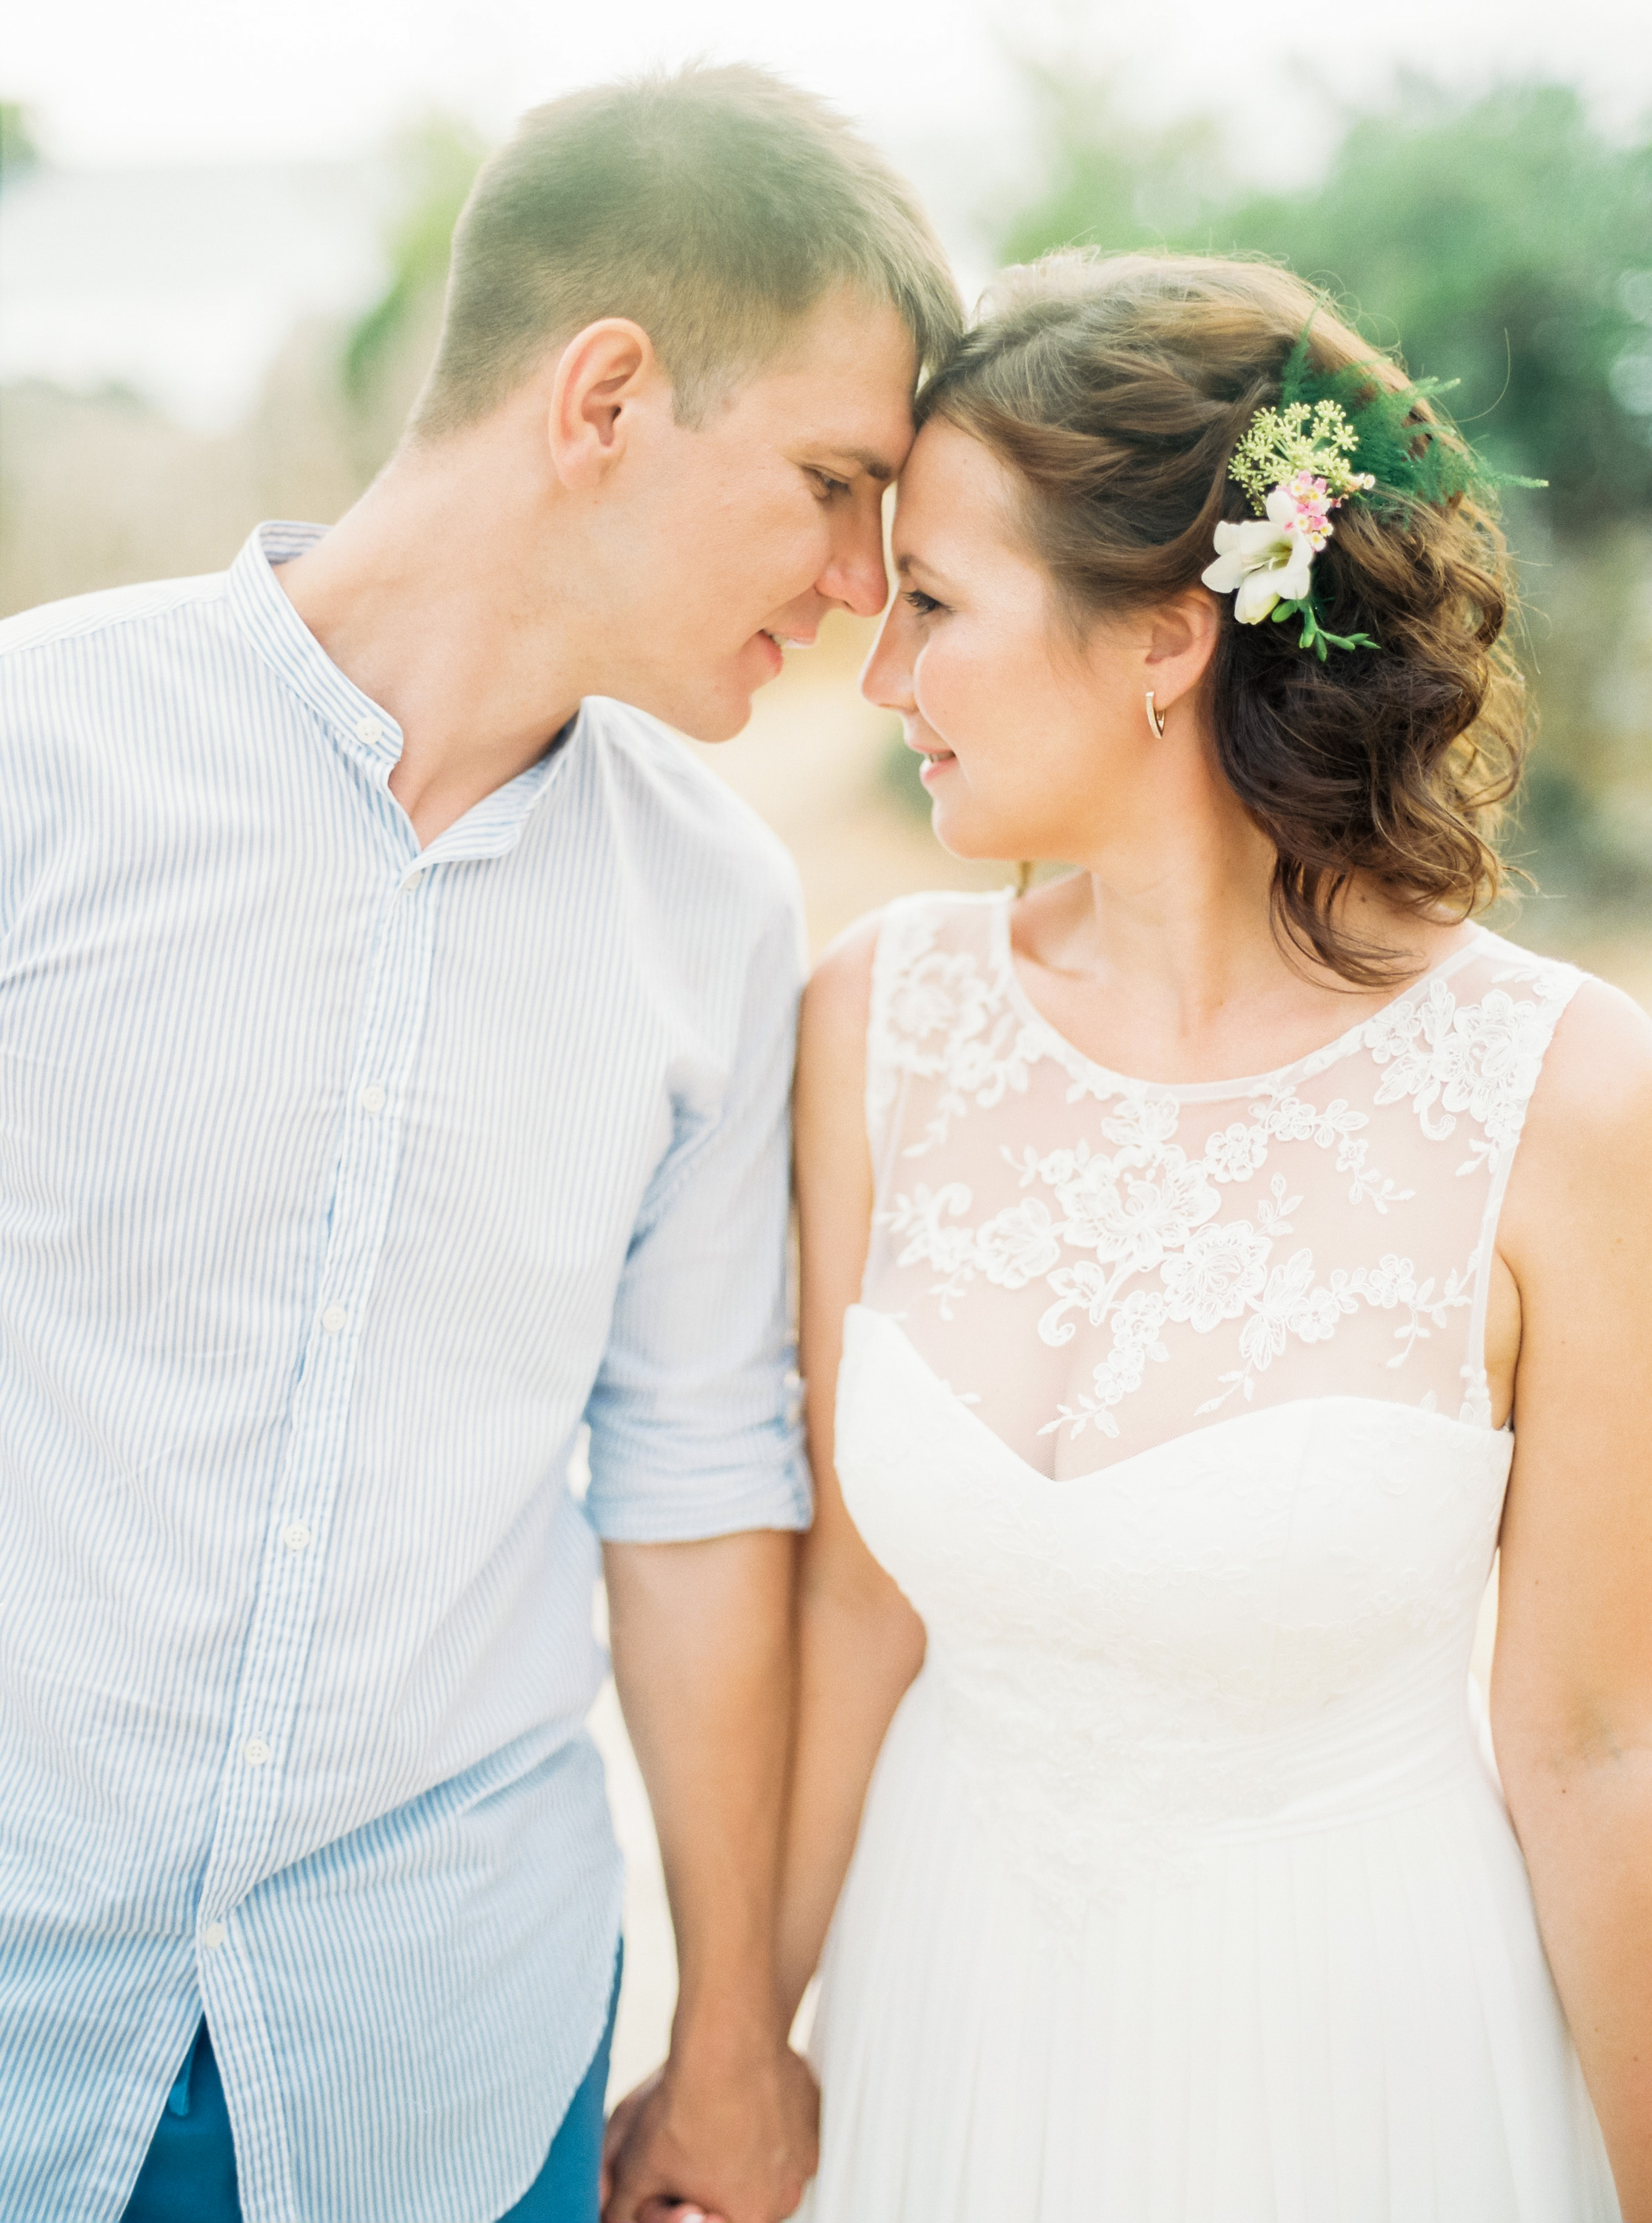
x=875 y=466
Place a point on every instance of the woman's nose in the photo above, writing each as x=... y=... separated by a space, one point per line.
x=887 y=679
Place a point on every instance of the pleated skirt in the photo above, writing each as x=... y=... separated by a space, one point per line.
x=1351 y=2024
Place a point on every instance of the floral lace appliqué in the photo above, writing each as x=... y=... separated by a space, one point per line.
x=1453 y=1059
x=1130 y=1225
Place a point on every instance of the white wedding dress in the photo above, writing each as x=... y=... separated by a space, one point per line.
x=1184 y=1891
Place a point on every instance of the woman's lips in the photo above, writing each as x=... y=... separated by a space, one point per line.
x=934 y=763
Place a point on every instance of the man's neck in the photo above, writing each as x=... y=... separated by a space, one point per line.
x=430 y=596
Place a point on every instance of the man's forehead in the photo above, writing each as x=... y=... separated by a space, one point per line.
x=846 y=383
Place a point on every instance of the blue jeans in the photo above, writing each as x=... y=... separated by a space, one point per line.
x=189 y=2175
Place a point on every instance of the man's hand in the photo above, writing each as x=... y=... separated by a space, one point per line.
x=733 y=2143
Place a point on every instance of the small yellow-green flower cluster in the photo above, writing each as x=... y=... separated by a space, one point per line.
x=1279 y=443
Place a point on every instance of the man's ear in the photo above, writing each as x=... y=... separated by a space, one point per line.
x=605 y=372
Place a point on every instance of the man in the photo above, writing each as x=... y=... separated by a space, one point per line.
x=394 y=1045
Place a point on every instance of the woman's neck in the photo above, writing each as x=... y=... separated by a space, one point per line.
x=1163 y=956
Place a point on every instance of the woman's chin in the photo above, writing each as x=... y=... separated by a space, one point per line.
x=962 y=835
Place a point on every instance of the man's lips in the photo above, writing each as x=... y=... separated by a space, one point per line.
x=775 y=642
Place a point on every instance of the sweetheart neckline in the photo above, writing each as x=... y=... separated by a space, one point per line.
x=1415 y=1414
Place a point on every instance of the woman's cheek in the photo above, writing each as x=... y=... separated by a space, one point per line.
x=948 y=694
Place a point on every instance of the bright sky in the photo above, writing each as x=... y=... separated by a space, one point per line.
x=183 y=283
x=215 y=79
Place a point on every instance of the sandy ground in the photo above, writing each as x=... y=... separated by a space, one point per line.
x=811 y=762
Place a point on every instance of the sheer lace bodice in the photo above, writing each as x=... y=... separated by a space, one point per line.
x=1096 y=1264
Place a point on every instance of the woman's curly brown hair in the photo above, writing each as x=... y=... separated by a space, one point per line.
x=1118 y=388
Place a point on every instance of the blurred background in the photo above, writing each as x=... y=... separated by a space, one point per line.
x=223 y=236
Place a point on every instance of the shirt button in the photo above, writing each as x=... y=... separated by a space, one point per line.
x=409 y=883
x=297 y=1538
x=255 y=1751
x=214 y=1935
x=373 y=1099
x=368 y=730
x=334 y=1318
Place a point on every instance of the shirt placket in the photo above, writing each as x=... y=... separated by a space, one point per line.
x=300 y=1518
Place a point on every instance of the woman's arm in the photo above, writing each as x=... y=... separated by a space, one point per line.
x=1572 y=1676
x=860 y=1643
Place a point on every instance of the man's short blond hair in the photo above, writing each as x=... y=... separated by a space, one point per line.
x=714 y=207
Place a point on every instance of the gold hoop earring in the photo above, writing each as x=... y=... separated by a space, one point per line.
x=1155 y=718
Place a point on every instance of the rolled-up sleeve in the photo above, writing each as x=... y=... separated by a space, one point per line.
x=694 y=1431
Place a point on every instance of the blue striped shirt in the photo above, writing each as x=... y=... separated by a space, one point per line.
x=340 y=1181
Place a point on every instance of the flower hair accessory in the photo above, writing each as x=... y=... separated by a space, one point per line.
x=1293 y=463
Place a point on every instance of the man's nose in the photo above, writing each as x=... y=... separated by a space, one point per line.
x=856 y=576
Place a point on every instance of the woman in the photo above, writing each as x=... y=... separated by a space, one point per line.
x=1161 y=1420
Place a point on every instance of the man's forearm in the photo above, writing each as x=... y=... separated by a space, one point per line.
x=703 y=1658
x=702 y=1648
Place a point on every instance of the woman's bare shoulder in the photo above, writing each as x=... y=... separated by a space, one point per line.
x=1596 y=1076
x=832 y=1041
x=840 y=992
x=1587 y=1134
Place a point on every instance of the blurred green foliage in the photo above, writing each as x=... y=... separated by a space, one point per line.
x=899 y=773
x=435 y=163
x=19 y=150
x=1504 y=241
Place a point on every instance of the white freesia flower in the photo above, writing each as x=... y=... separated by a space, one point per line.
x=1268 y=562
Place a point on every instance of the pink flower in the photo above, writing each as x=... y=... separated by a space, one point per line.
x=1314 y=503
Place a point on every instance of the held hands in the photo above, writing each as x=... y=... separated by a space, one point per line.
x=698 y=2142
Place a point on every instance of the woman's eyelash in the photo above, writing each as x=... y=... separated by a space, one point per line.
x=916 y=598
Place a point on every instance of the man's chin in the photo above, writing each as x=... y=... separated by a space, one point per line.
x=708 y=718
x=709 y=707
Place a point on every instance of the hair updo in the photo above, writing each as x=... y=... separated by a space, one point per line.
x=1117 y=389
